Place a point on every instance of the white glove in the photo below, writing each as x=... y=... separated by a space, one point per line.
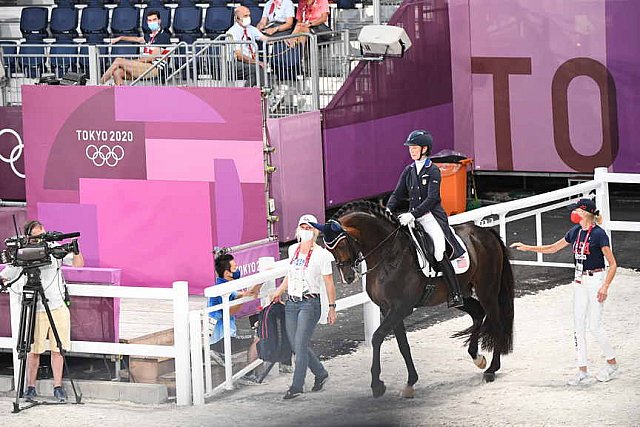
x=406 y=219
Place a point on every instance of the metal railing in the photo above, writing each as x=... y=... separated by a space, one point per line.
x=298 y=77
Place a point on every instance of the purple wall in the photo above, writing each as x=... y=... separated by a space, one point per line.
x=297 y=184
x=368 y=120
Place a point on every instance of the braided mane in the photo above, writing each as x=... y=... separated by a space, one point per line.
x=366 y=207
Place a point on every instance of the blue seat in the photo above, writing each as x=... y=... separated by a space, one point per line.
x=346 y=4
x=165 y=17
x=186 y=3
x=83 y=58
x=33 y=22
x=186 y=23
x=125 y=50
x=94 y=23
x=32 y=59
x=64 y=3
x=64 y=22
x=9 y=47
x=213 y=3
x=217 y=20
x=256 y=13
x=125 y=21
x=62 y=64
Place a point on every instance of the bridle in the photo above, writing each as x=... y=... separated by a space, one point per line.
x=356 y=261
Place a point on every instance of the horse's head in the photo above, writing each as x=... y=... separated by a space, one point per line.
x=338 y=241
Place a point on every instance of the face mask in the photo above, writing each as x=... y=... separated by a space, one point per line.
x=153 y=26
x=246 y=21
x=575 y=218
x=305 y=235
x=236 y=274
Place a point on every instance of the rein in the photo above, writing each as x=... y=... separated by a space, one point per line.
x=358 y=261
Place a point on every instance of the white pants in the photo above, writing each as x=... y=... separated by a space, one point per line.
x=587 y=311
x=432 y=227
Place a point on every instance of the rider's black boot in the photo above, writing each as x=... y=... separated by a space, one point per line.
x=449 y=276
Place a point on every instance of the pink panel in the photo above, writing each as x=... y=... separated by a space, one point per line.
x=171 y=104
x=197 y=156
x=176 y=218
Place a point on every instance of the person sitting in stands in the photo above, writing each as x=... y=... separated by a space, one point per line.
x=129 y=69
x=277 y=18
x=312 y=17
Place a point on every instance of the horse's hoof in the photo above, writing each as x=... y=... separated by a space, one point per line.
x=480 y=361
x=489 y=377
x=408 y=392
x=379 y=389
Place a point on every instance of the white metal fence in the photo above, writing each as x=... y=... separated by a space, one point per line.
x=178 y=351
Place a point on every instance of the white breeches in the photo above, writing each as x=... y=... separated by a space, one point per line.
x=587 y=312
x=432 y=227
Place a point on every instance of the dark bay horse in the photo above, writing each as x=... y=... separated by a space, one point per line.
x=365 y=231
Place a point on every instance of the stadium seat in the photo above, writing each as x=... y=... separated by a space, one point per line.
x=125 y=50
x=165 y=17
x=33 y=23
x=63 y=64
x=346 y=4
x=125 y=21
x=9 y=47
x=64 y=22
x=32 y=66
x=256 y=13
x=64 y=3
x=94 y=23
x=217 y=20
x=186 y=3
x=83 y=59
x=213 y=3
x=186 y=23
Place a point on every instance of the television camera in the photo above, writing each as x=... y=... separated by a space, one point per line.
x=36 y=251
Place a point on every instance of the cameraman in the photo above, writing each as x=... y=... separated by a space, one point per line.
x=54 y=290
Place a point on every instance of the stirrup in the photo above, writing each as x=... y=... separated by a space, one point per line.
x=455 y=300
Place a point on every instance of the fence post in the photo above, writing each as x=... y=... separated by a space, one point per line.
x=315 y=74
x=226 y=326
x=370 y=311
x=195 y=331
x=92 y=51
x=181 y=342
x=602 y=198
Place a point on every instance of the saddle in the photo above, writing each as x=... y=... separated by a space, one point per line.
x=424 y=250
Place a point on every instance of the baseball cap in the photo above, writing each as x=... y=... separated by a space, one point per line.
x=307 y=219
x=587 y=205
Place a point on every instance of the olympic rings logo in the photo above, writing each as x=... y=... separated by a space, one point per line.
x=16 y=152
x=105 y=155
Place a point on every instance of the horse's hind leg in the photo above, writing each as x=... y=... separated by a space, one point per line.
x=389 y=322
x=490 y=374
x=405 y=350
x=474 y=309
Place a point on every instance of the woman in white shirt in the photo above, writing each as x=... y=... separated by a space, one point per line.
x=309 y=283
x=277 y=18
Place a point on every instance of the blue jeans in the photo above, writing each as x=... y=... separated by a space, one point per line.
x=301 y=319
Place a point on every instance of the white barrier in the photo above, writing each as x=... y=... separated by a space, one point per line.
x=486 y=216
x=179 y=350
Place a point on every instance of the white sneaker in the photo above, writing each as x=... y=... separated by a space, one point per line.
x=607 y=373
x=581 y=378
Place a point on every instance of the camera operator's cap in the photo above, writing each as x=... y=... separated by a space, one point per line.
x=587 y=205
x=307 y=219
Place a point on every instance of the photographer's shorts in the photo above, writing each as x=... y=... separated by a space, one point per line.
x=43 y=330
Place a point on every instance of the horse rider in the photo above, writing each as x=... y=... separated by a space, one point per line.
x=420 y=184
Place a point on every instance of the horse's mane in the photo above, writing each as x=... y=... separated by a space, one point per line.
x=366 y=207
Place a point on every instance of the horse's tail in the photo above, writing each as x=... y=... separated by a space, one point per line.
x=497 y=333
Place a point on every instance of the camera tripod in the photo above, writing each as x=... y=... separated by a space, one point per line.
x=32 y=291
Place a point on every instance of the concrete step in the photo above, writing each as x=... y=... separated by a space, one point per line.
x=104 y=390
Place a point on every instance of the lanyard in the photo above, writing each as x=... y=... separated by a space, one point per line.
x=246 y=37
x=307 y=9
x=274 y=4
x=306 y=261
x=584 y=244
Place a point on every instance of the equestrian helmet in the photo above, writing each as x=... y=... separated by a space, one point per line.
x=421 y=138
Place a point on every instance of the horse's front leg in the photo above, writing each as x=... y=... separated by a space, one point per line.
x=389 y=322
x=405 y=350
